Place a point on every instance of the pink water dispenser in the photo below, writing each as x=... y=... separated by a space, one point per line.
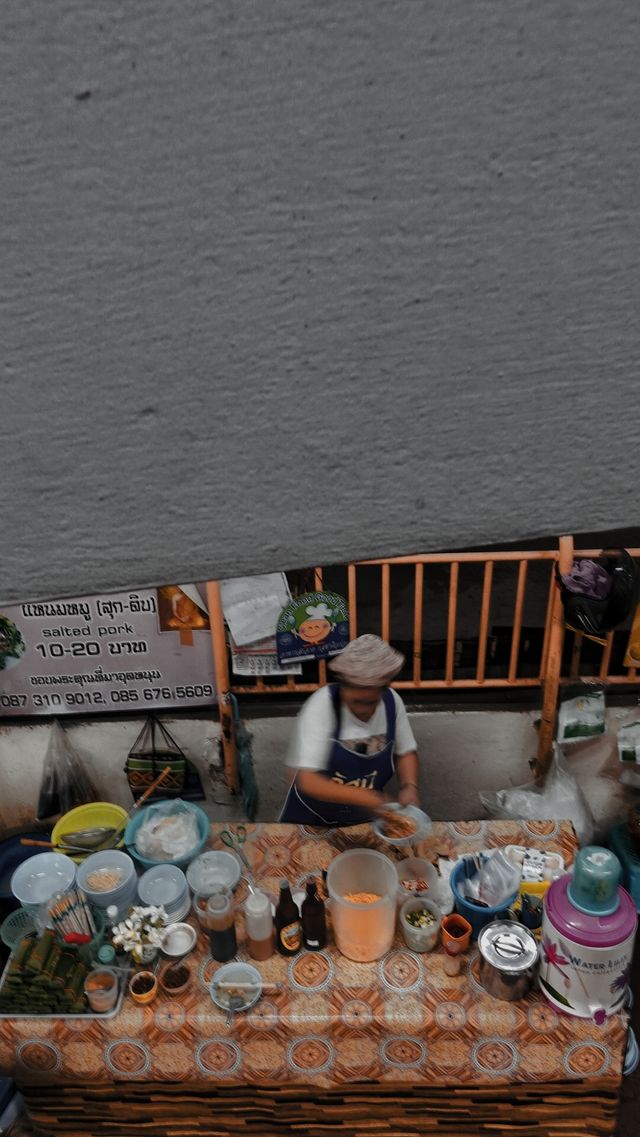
x=588 y=931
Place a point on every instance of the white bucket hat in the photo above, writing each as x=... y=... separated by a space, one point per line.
x=367 y=661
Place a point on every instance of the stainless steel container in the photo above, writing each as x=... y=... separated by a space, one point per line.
x=508 y=960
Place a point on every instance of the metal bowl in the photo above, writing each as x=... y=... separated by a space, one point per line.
x=178 y=940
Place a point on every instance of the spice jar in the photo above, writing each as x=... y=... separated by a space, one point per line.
x=259 y=926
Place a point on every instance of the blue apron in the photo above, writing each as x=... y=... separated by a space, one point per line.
x=349 y=767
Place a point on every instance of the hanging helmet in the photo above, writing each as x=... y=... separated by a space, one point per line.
x=596 y=617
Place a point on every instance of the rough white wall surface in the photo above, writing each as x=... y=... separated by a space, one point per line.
x=290 y=283
x=461 y=753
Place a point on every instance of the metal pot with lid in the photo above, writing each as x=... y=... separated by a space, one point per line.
x=508 y=960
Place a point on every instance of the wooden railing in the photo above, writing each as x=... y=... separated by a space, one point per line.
x=438 y=664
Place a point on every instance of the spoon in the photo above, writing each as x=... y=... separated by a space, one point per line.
x=235 y=1003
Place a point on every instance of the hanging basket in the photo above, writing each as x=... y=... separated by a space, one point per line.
x=153 y=749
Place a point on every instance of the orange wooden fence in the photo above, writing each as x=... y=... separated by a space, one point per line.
x=545 y=666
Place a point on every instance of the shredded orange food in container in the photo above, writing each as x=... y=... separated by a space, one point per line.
x=361 y=897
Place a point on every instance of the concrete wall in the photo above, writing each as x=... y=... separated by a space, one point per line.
x=462 y=752
x=290 y=283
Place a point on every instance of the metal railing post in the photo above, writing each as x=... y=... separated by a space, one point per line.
x=551 y=673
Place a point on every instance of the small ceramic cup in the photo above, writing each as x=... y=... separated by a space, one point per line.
x=456 y=933
x=175 y=979
x=143 y=987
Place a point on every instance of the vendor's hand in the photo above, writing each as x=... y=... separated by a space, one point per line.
x=409 y=796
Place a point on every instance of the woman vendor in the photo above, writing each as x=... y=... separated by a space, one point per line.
x=350 y=738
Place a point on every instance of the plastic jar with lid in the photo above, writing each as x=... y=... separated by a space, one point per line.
x=259 y=926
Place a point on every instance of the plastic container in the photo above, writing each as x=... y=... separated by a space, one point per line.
x=594 y=885
x=123 y=893
x=586 y=958
x=35 y=881
x=142 y=816
x=221 y=926
x=420 y=939
x=477 y=916
x=12 y=854
x=363 y=931
x=101 y=989
x=16 y=926
x=165 y=885
x=456 y=934
x=258 y=923
x=89 y=951
x=213 y=870
x=416 y=869
x=93 y=815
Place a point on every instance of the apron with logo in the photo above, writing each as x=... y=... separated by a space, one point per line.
x=348 y=768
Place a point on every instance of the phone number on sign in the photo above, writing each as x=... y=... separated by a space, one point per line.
x=100 y=698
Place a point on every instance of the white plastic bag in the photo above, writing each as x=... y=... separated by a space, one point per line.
x=559 y=799
x=170 y=830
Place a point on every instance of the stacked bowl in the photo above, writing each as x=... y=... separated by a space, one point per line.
x=38 y=879
x=166 y=885
x=109 y=878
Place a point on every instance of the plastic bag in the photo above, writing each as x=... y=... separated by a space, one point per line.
x=170 y=830
x=65 y=783
x=581 y=714
x=498 y=879
x=559 y=799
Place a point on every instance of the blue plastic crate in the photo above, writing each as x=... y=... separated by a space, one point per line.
x=622 y=844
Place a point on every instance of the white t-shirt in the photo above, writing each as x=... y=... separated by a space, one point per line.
x=315 y=728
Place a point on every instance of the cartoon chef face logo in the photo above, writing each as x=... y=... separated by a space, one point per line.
x=317 y=625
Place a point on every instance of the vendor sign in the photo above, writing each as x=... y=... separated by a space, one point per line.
x=313 y=626
x=124 y=651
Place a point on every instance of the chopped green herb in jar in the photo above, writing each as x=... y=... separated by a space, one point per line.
x=422 y=918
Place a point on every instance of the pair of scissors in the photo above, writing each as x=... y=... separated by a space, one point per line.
x=235 y=839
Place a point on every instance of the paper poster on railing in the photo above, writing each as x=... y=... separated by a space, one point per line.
x=313 y=626
x=124 y=651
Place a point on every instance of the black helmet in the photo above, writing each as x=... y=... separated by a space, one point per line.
x=597 y=617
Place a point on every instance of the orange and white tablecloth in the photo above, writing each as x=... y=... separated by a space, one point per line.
x=400 y=1019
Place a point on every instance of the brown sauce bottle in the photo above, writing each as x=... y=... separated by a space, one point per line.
x=288 y=925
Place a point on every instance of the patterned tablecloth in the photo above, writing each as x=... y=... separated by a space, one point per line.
x=401 y=1019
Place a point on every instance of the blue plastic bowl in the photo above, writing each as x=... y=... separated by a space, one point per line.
x=477 y=916
x=139 y=818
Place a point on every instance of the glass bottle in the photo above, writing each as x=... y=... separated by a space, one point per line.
x=314 y=924
x=258 y=923
x=288 y=925
x=221 y=926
